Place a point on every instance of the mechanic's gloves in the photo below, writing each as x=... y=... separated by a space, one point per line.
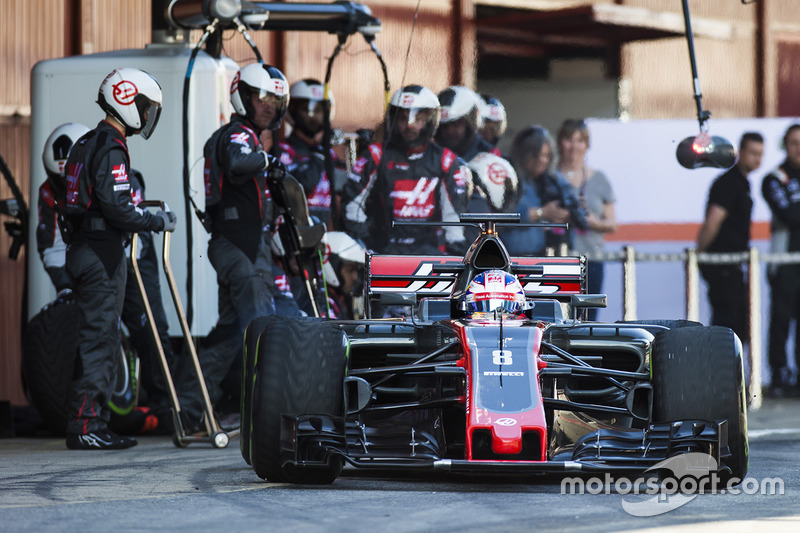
x=169 y=218
x=64 y=296
x=274 y=167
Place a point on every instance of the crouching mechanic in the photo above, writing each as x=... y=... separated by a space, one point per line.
x=343 y=269
x=407 y=178
x=99 y=214
x=238 y=204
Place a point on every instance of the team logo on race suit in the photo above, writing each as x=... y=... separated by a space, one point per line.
x=235 y=83
x=321 y=196
x=73 y=176
x=136 y=196
x=414 y=198
x=241 y=138
x=119 y=173
x=447 y=159
x=462 y=176
x=124 y=92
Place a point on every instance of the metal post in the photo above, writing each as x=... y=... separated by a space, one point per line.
x=629 y=284
x=692 y=286
x=754 y=279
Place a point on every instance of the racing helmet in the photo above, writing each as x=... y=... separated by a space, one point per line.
x=493 y=115
x=496 y=178
x=458 y=103
x=133 y=97
x=268 y=82
x=307 y=97
x=58 y=145
x=421 y=104
x=340 y=248
x=494 y=291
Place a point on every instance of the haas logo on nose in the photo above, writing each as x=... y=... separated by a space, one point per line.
x=124 y=92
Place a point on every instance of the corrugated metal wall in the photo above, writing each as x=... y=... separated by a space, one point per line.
x=35 y=30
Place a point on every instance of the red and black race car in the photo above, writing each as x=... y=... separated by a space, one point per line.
x=444 y=388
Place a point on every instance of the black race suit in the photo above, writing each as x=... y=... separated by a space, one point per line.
x=389 y=184
x=100 y=212
x=781 y=190
x=238 y=203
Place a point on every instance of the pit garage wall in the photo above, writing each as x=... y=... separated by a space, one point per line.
x=36 y=30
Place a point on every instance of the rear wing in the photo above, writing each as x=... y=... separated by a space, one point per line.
x=560 y=277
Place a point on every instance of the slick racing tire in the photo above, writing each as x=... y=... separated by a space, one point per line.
x=49 y=348
x=299 y=370
x=698 y=374
x=251 y=337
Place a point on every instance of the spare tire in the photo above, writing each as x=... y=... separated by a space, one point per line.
x=698 y=374
x=49 y=348
x=300 y=369
x=251 y=337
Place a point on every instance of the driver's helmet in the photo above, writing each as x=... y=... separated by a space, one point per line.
x=494 y=291
x=58 y=145
x=415 y=103
x=306 y=106
x=133 y=97
x=268 y=82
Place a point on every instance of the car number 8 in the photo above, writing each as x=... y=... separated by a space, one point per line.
x=502 y=357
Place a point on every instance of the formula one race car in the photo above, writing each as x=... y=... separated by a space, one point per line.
x=490 y=371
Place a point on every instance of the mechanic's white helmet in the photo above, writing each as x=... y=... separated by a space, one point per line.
x=340 y=247
x=133 y=97
x=419 y=101
x=496 y=178
x=265 y=80
x=493 y=112
x=494 y=291
x=459 y=102
x=58 y=144
x=306 y=95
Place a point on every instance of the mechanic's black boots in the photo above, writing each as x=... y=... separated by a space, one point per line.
x=103 y=439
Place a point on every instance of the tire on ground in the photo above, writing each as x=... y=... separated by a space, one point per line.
x=300 y=369
x=698 y=374
x=251 y=337
x=49 y=348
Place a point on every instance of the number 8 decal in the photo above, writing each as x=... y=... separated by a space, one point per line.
x=502 y=357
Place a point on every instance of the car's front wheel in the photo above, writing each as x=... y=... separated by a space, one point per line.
x=698 y=374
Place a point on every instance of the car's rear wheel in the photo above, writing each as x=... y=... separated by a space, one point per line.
x=300 y=369
x=251 y=336
x=698 y=374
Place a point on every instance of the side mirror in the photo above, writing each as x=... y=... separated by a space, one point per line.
x=705 y=151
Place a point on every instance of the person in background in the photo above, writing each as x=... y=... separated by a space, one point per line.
x=781 y=190
x=49 y=242
x=545 y=196
x=595 y=194
x=460 y=122
x=726 y=228
x=99 y=212
x=343 y=269
x=302 y=153
x=493 y=115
